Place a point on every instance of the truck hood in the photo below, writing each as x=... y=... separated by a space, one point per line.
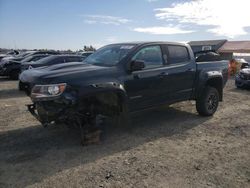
x=63 y=66
x=66 y=72
x=36 y=65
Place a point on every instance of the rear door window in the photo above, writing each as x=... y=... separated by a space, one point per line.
x=37 y=58
x=58 y=60
x=178 y=54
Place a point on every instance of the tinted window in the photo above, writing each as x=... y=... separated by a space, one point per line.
x=46 y=59
x=151 y=55
x=178 y=54
x=57 y=60
x=37 y=58
x=74 y=59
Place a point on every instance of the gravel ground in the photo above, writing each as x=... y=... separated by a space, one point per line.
x=165 y=147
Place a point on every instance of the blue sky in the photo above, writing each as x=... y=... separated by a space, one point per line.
x=71 y=24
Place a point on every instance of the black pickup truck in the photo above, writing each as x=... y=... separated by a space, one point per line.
x=124 y=78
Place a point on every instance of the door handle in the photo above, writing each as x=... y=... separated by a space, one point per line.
x=136 y=76
x=163 y=74
x=190 y=70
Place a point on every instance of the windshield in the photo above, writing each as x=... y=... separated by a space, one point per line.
x=109 y=55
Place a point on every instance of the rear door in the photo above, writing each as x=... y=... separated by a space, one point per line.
x=180 y=73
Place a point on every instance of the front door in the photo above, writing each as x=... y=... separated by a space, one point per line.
x=143 y=86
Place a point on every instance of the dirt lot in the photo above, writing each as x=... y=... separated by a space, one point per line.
x=165 y=147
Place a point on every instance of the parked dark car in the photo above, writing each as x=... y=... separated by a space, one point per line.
x=9 y=54
x=2 y=56
x=20 y=57
x=48 y=61
x=5 y=58
x=52 y=60
x=124 y=78
x=242 y=80
x=23 y=55
x=13 y=68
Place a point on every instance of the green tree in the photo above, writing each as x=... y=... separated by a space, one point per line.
x=88 y=48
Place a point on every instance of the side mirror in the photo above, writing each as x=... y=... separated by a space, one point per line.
x=137 y=65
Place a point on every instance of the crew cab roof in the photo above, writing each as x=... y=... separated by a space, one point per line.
x=150 y=42
x=66 y=55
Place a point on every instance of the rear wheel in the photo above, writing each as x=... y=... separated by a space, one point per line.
x=208 y=102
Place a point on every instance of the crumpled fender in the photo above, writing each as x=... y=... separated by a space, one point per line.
x=104 y=92
x=109 y=86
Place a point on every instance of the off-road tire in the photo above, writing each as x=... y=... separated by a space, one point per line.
x=207 y=103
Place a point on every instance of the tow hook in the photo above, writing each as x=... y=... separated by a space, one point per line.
x=32 y=108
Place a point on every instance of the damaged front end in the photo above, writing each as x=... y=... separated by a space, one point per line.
x=50 y=103
x=59 y=103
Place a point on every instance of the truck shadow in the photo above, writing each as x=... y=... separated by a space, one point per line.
x=4 y=79
x=11 y=93
x=45 y=152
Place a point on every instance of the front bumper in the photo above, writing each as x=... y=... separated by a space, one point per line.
x=60 y=109
x=239 y=82
x=47 y=112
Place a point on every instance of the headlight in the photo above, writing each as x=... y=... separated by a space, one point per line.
x=53 y=90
